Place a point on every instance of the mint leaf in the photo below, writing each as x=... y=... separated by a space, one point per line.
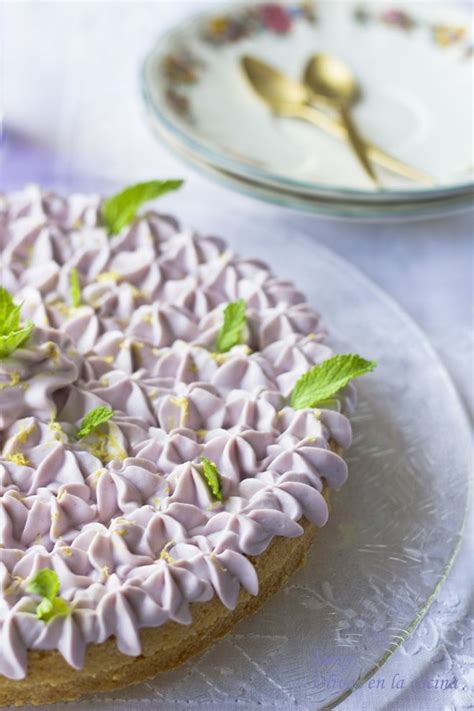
x=213 y=478
x=9 y=313
x=6 y=305
x=121 y=209
x=45 y=584
x=9 y=344
x=93 y=419
x=12 y=336
x=326 y=379
x=12 y=321
x=75 y=288
x=231 y=331
x=48 y=609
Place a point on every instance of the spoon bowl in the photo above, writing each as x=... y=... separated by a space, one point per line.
x=273 y=87
x=331 y=77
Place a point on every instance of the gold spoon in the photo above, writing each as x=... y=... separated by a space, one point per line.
x=331 y=78
x=289 y=98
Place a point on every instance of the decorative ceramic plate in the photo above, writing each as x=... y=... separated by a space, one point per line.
x=415 y=71
x=394 y=528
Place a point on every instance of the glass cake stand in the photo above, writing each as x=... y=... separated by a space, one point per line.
x=394 y=528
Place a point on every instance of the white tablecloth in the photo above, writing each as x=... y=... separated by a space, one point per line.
x=70 y=95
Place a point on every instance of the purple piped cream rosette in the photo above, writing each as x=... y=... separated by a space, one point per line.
x=123 y=515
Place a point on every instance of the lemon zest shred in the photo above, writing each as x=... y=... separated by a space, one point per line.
x=18 y=458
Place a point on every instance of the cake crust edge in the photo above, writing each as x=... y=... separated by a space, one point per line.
x=51 y=679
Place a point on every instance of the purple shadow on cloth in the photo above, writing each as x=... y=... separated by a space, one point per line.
x=23 y=161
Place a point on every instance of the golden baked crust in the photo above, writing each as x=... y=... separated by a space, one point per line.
x=51 y=679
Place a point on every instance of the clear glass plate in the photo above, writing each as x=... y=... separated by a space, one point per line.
x=394 y=528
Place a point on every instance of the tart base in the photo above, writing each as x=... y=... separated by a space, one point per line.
x=51 y=679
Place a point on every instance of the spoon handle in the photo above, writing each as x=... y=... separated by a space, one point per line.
x=336 y=128
x=358 y=144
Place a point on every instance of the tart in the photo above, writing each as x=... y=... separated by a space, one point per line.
x=169 y=486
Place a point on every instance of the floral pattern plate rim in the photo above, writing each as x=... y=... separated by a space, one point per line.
x=193 y=86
